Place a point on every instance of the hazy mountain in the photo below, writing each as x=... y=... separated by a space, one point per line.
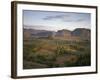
x=78 y=33
x=33 y=33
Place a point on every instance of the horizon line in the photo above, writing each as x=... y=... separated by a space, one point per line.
x=52 y=30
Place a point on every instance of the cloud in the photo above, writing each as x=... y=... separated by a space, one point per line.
x=73 y=20
x=55 y=17
x=65 y=18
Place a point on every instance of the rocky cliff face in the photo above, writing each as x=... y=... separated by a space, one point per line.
x=63 y=33
x=82 y=33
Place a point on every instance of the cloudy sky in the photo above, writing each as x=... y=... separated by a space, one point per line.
x=50 y=20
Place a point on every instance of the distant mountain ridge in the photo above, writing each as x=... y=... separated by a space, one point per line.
x=77 y=34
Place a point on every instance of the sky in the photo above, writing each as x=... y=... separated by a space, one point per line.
x=52 y=20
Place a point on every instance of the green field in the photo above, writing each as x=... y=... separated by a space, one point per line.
x=51 y=53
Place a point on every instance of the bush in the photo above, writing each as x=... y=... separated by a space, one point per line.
x=84 y=60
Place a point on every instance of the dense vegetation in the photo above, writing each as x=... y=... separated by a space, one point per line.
x=49 y=53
